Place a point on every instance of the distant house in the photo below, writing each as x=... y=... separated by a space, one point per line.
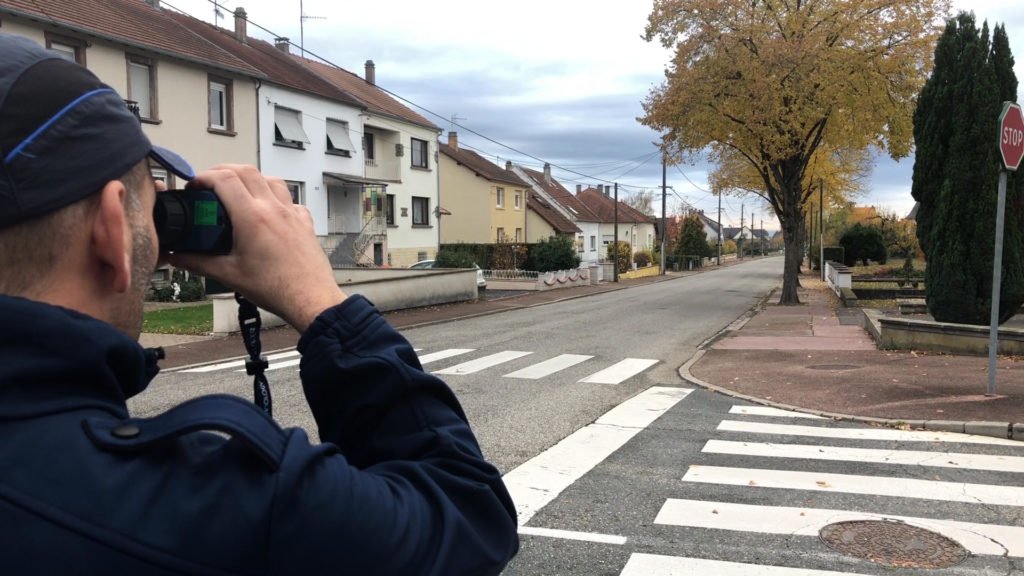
x=543 y=220
x=399 y=148
x=561 y=200
x=634 y=226
x=487 y=202
x=710 y=226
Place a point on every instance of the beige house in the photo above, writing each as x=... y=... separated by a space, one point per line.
x=487 y=203
x=190 y=96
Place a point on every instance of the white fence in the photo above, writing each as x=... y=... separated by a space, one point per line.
x=838 y=276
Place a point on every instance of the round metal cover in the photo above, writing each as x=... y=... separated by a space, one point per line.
x=836 y=367
x=893 y=543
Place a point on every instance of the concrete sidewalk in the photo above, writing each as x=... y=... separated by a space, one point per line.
x=816 y=358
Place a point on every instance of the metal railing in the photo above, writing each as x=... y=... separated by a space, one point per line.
x=511 y=274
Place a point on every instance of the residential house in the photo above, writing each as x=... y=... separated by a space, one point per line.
x=487 y=202
x=569 y=207
x=543 y=220
x=399 y=149
x=710 y=226
x=308 y=128
x=190 y=95
x=634 y=226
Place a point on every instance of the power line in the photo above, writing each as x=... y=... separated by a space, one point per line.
x=427 y=110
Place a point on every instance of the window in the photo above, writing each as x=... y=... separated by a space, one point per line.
x=501 y=234
x=288 y=128
x=69 y=48
x=519 y=199
x=142 y=85
x=593 y=243
x=519 y=235
x=501 y=198
x=389 y=213
x=296 y=189
x=419 y=153
x=338 y=141
x=420 y=211
x=368 y=148
x=220 y=104
x=579 y=244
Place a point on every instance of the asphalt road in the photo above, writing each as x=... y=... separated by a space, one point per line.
x=617 y=467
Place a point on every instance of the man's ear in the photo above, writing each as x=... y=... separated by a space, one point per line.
x=111 y=237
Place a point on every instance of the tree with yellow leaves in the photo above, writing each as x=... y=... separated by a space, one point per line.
x=785 y=94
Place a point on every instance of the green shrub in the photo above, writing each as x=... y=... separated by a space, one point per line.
x=453 y=258
x=555 y=253
x=622 y=260
x=642 y=258
x=862 y=243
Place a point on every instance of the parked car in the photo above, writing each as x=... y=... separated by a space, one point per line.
x=481 y=283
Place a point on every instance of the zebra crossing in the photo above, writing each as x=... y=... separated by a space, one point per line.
x=543 y=367
x=774 y=476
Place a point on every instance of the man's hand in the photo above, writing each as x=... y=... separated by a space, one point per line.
x=276 y=261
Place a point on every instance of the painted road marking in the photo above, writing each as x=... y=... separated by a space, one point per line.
x=538 y=481
x=620 y=371
x=433 y=357
x=853 y=484
x=238 y=363
x=905 y=457
x=572 y=535
x=655 y=565
x=549 y=367
x=768 y=411
x=988 y=539
x=483 y=363
x=863 y=433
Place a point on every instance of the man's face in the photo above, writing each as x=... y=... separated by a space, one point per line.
x=128 y=316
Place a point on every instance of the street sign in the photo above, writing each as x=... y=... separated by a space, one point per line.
x=1011 y=135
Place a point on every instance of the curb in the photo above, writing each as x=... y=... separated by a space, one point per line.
x=1005 y=430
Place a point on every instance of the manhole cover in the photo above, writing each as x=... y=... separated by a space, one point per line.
x=893 y=544
x=835 y=367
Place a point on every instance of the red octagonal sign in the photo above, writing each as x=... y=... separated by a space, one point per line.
x=1011 y=135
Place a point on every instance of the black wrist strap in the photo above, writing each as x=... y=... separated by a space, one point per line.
x=249 y=322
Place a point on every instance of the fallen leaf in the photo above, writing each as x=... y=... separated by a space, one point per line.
x=751 y=483
x=823 y=484
x=714 y=511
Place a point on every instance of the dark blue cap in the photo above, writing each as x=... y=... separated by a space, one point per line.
x=63 y=133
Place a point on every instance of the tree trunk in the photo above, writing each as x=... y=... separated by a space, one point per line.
x=791 y=221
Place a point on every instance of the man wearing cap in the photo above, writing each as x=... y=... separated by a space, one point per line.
x=398 y=484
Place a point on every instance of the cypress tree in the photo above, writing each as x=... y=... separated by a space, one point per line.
x=956 y=175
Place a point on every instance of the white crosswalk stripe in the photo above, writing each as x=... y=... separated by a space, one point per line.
x=238 y=363
x=449 y=353
x=479 y=364
x=766 y=480
x=549 y=367
x=620 y=372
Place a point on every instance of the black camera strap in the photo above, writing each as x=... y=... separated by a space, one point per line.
x=249 y=322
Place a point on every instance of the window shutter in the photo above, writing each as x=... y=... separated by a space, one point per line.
x=399 y=150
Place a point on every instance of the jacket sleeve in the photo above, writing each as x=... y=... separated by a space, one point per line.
x=399 y=485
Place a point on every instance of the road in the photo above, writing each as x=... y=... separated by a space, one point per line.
x=618 y=467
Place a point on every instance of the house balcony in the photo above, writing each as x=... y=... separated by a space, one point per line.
x=388 y=169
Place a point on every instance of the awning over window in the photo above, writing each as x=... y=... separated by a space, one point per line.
x=343 y=179
x=287 y=122
x=338 y=133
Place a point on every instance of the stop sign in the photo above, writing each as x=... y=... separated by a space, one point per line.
x=1011 y=135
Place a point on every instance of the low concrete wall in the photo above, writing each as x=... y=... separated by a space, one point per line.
x=906 y=334
x=388 y=289
x=642 y=272
x=564 y=279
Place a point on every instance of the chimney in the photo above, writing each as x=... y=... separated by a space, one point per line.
x=579 y=188
x=607 y=189
x=282 y=44
x=547 y=172
x=371 y=74
x=508 y=165
x=153 y=3
x=240 y=21
x=453 y=140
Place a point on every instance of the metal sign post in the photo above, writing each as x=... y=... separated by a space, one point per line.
x=1011 y=148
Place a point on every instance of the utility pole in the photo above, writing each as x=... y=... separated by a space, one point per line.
x=664 y=230
x=719 y=228
x=762 y=235
x=615 y=245
x=740 y=248
x=821 y=227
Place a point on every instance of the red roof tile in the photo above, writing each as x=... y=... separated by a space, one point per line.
x=130 y=22
x=550 y=215
x=604 y=208
x=481 y=166
x=562 y=196
x=278 y=67
x=375 y=98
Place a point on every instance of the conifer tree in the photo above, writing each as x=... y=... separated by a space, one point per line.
x=956 y=173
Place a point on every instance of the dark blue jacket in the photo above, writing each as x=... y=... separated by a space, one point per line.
x=398 y=486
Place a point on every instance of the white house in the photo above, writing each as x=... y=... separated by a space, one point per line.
x=589 y=244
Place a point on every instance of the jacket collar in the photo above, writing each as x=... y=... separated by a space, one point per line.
x=54 y=359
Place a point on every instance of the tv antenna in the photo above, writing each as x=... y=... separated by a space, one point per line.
x=302 y=27
x=454 y=118
x=216 y=12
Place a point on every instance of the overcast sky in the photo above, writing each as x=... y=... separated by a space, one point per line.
x=559 y=81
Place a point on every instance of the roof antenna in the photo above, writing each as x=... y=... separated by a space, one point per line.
x=454 y=118
x=216 y=12
x=302 y=27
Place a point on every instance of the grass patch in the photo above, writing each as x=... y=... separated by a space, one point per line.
x=184 y=320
